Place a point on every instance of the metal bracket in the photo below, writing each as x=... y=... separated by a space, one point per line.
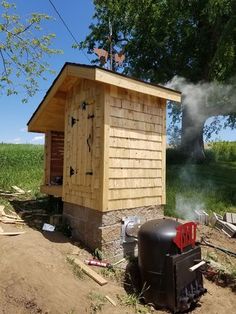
x=84 y=104
x=91 y=116
x=127 y=227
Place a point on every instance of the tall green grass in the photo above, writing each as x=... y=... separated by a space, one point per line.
x=21 y=165
x=222 y=151
x=210 y=186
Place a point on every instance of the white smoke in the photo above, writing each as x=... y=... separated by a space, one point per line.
x=186 y=207
x=204 y=95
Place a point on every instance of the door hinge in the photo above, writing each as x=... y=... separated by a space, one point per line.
x=73 y=121
x=72 y=171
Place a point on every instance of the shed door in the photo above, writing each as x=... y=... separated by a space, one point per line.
x=78 y=176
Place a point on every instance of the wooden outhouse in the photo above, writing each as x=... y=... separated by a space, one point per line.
x=105 y=142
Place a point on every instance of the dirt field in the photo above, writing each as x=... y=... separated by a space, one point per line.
x=36 y=278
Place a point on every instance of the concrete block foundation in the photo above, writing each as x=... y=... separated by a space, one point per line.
x=102 y=230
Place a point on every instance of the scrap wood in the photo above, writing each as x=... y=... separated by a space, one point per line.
x=11 y=221
x=10 y=194
x=90 y=272
x=110 y=300
x=11 y=233
x=204 y=242
x=17 y=189
x=3 y=214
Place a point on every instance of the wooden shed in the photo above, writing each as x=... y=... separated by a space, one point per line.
x=105 y=142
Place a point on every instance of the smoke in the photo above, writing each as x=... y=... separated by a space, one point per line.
x=203 y=95
x=203 y=100
x=186 y=207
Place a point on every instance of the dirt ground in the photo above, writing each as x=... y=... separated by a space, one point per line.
x=37 y=278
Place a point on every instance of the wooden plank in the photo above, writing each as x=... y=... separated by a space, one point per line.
x=110 y=300
x=17 y=189
x=136 y=125
x=134 y=144
x=119 y=183
x=47 y=158
x=134 y=193
x=131 y=203
x=55 y=190
x=33 y=127
x=164 y=153
x=134 y=154
x=81 y=72
x=11 y=233
x=134 y=85
x=135 y=163
x=135 y=134
x=136 y=116
x=90 y=272
x=134 y=173
x=105 y=151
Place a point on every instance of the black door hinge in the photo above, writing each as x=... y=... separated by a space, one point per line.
x=72 y=171
x=73 y=121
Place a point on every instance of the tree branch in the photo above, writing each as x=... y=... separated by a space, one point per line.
x=4 y=62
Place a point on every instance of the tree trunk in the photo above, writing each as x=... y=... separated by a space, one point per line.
x=192 y=143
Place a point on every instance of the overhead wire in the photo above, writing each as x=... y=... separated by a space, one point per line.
x=67 y=27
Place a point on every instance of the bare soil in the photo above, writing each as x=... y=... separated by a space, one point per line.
x=36 y=278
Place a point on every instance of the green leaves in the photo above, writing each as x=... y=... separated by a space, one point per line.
x=23 y=49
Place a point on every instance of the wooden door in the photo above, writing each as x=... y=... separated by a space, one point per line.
x=78 y=174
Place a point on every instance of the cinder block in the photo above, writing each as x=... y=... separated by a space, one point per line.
x=103 y=229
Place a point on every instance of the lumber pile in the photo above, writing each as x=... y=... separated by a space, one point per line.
x=9 y=219
x=225 y=224
x=16 y=192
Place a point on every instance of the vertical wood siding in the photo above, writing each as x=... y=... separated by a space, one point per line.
x=83 y=146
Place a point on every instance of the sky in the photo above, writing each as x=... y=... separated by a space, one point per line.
x=78 y=15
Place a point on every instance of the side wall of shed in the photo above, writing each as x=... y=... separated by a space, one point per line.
x=134 y=149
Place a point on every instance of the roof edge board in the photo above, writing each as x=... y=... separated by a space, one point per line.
x=49 y=95
x=111 y=78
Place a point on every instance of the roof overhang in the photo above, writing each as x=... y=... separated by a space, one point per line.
x=50 y=113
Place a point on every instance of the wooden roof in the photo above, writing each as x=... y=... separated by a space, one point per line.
x=50 y=113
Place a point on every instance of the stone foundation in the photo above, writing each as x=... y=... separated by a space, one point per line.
x=103 y=229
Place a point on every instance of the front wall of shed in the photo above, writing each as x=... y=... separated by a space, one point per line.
x=83 y=145
x=135 y=149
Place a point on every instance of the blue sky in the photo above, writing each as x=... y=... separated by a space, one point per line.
x=78 y=15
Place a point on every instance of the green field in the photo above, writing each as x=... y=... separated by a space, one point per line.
x=21 y=165
x=210 y=186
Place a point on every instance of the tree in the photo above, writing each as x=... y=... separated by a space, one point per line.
x=22 y=50
x=194 y=39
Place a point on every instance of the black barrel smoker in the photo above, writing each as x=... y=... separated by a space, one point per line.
x=170 y=262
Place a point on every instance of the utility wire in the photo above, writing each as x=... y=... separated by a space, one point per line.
x=67 y=27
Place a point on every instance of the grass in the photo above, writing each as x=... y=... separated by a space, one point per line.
x=77 y=271
x=98 y=301
x=21 y=165
x=210 y=186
